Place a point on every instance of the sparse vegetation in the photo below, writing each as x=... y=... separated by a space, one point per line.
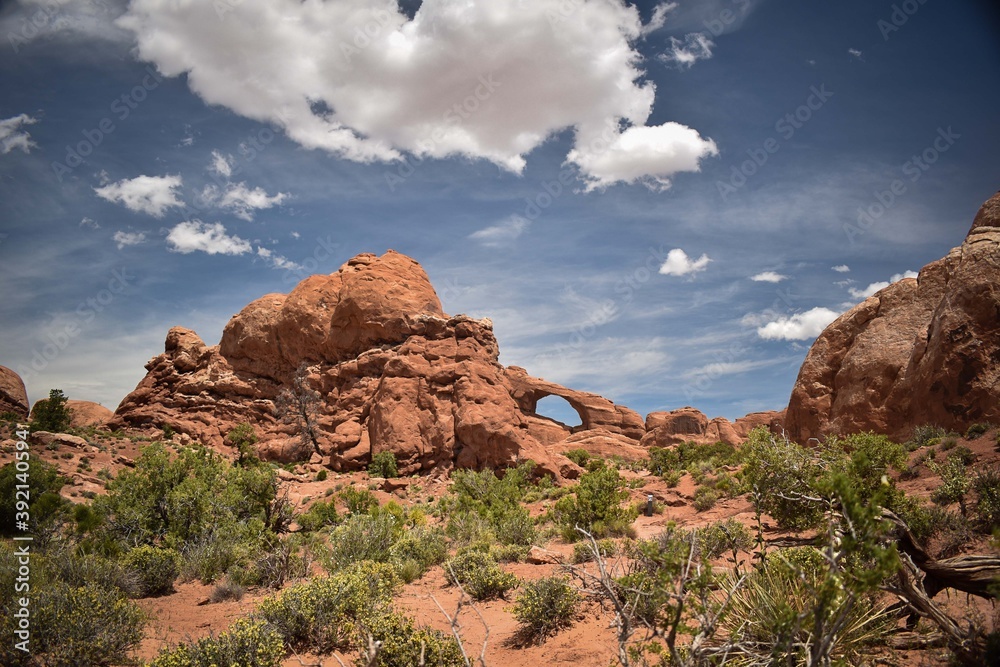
x=545 y=605
x=383 y=465
x=596 y=506
x=977 y=429
x=479 y=575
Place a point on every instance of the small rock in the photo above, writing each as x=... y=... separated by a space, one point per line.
x=540 y=556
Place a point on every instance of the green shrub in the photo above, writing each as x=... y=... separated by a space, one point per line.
x=85 y=625
x=722 y=537
x=479 y=575
x=363 y=537
x=425 y=546
x=545 y=605
x=987 y=487
x=705 y=498
x=324 y=613
x=578 y=456
x=773 y=613
x=583 y=552
x=383 y=464
x=977 y=430
x=45 y=507
x=157 y=569
x=404 y=645
x=358 y=501
x=76 y=570
x=776 y=471
x=596 y=506
x=51 y=414
x=247 y=643
x=925 y=436
x=514 y=526
x=319 y=516
x=321 y=475
x=672 y=478
x=955 y=482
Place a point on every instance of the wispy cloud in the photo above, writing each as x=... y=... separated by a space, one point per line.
x=124 y=239
x=241 y=200
x=684 y=53
x=503 y=233
x=659 y=17
x=13 y=135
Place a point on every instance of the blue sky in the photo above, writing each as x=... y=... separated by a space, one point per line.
x=655 y=201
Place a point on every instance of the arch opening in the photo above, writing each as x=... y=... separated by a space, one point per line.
x=558 y=409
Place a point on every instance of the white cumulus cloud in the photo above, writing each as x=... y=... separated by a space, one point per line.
x=144 y=194
x=768 y=277
x=502 y=233
x=875 y=287
x=195 y=235
x=488 y=80
x=801 y=326
x=686 y=52
x=842 y=268
x=13 y=135
x=679 y=264
x=277 y=261
x=124 y=239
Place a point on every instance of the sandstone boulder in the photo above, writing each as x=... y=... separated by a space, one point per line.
x=13 y=395
x=87 y=413
x=920 y=351
x=664 y=429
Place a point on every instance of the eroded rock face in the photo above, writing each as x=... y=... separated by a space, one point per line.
x=921 y=351
x=13 y=395
x=687 y=424
x=389 y=369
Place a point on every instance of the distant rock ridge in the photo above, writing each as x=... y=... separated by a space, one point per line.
x=920 y=351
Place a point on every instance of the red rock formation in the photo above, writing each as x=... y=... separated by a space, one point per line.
x=687 y=424
x=13 y=395
x=921 y=351
x=390 y=371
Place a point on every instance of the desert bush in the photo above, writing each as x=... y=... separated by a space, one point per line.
x=44 y=506
x=467 y=527
x=721 y=537
x=545 y=605
x=404 y=645
x=672 y=478
x=76 y=569
x=595 y=506
x=324 y=613
x=705 y=498
x=987 y=487
x=925 y=435
x=422 y=545
x=479 y=575
x=320 y=515
x=777 y=471
x=955 y=482
x=227 y=590
x=322 y=475
x=383 y=464
x=247 y=643
x=485 y=507
x=774 y=614
x=977 y=430
x=583 y=552
x=156 y=568
x=358 y=501
x=86 y=625
x=362 y=537
x=578 y=456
